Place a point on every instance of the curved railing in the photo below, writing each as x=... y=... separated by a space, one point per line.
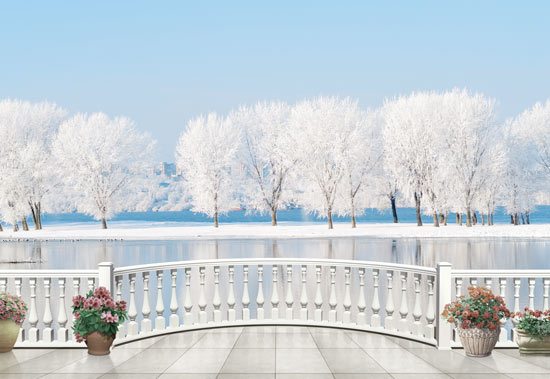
x=395 y=299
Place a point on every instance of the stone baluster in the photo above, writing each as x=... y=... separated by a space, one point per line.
x=188 y=302
x=430 y=312
x=47 y=332
x=118 y=297
x=361 y=303
x=332 y=300
x=517 y=287
x=203 y=316
x=503 y=336
x=246 y=296
x=488 y=283
x=160 y=323
x=303 y=295
x=91 y=284
x=216 y=301
x=146 y=324
x=473 y=282
x=289 y=298
x=458 y=287
x=260 y=298
x=417 y=310
x=174 y=321
x=132 y=310
x=274 y=295
x=545 y=293
x=531 y=282
x=62 y=332
x=390 y=308
x=33 y=312
x=318 y=296
x=231 y=317
x=18 y=285
x=346 y=316
x=375 y=305
x=404 y=308
x=3 y=285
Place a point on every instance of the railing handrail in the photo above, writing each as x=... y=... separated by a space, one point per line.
x=274 y=261
x=495 y=272
x=32 y=273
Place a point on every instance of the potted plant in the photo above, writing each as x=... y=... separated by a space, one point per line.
x=97 y=317
x=12 y=313
x=477 y=318
x=532 y=328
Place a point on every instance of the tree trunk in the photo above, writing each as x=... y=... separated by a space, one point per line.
x=394 y=209
x=516 y=219
x=353 y=220
x=273 y=217
x=216 y=222
x=474 y=218
x=1 y=228
x=24 y=224
x=329 y=219
x=491 y=217
x=417 y=204
x=482 y=218
x=441 y=218
x=468 y=217
x=512 y=219
x=527 y=219
x=436 y=220
x=38 y=211
x=446 y=218
x=457 y=217
x=103 y=223
x=15 y=227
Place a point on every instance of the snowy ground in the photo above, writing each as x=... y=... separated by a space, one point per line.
x=156 y=231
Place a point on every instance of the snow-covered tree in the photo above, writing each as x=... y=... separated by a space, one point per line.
x=207 y=156
x=323 y=129
x=26 y=134
x=469 y=135
x=267 y=156
x=103 y=163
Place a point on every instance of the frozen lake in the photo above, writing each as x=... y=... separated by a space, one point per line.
x=478 y=253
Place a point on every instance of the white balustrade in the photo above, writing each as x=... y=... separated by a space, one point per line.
x=332 y=300
x=346 y=318
x=246 y=297
x=430 y=312
x=132 y=328
x=390 y=308
x=203 y=317
x=33 y=312
x=274 y=295
x=546 y=293
x=375 y=306
x=289 y=298
x=231 y=316
x=188 y=302
x=174 y=318
x=361 y=303
x=216 y=301
x=531 y=282
x=260 y=298
x=62 y=331
x=146 y=324
x=303 y=295
x=417 y=310
x=318 y=295
x=404 y=308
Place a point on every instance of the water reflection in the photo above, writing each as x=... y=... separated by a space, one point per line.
x=462 y=253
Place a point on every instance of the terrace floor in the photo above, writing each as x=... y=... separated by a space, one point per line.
x=280 y=352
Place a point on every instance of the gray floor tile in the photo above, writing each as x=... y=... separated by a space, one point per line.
x=373 y=341
x=99 y=364
x=304 y=376
x=295 y=341
x=72 y=376
x=432 y=376
x=48 y=362
x=250 y=361
x=334 y=341
x=300 y=361
x=188 y=376
x=256 y=341
x=17 y=356
x=199 y=361
x=479 y=376
x=259 y=329
x=129 y=376
x=401 y=361
x=246 y=376
x=450 y=361
x=22 y=376
x=217 y=341
x=149 y=361
x=178 y=340
x=350 y=361
x=140 y=344
x=506 y=364
x=363 y=376
x=291 y=329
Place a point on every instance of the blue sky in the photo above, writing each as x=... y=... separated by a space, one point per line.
x=162 y=62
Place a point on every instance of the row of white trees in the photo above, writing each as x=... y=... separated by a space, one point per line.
x=441 y=152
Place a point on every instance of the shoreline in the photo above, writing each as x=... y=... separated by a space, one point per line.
x=159 y=231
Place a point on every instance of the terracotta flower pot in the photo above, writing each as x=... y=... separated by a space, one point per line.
x=9 y=331
x=530 y=345
x=99 y=344
x=478 y=342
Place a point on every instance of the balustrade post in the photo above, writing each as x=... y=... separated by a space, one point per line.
x=303 y=295
x=91 y=284
x=188 y=302
x=47 y=332
x=105 y=278
x=443 y=290
x=118 y=284
x=146 y=324
x=246 y=296
x=404 y=308
x=361 y=303
x=289 y=298
x=132 y=309
x=18 y=285
x=488 y=283
x=62 y=332
x=231 y=295
x=430 y=312
x=33 y=313
x=503 y=336
x=346 y=317
x=203 y=317
x=531 y=282
x=332 y=300
x=473 y=282
x=3 y=284
x=174 y=307
x=260 y=298
x=546 y=293
x=216 y=301
x=417 y=310
x=517 y=287
x=375 y=306
x=318 y=296
x=160 y=323
x=274 y=295
x=390 y=308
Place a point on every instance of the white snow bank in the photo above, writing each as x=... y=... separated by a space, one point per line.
x=152 y=231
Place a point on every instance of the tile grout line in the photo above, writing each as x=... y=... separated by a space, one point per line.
x=230 y=351
x=186 y=350
x=320 y=352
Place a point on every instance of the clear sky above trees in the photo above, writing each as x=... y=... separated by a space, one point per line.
x=162 y=63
